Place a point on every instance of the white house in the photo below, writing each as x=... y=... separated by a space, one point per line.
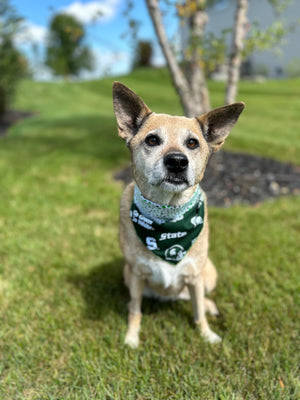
x=221 y=16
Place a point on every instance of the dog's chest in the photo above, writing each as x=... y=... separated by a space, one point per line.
x=166 y=278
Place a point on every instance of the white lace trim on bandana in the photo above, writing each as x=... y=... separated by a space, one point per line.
x=160 y=213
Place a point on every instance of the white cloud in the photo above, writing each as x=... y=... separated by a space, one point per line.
x=93 y=11
x=108 y=63
x=31 y=33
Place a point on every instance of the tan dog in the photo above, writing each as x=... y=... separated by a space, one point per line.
x=169 y=156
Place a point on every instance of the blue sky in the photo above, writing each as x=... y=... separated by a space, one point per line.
x=113 y=54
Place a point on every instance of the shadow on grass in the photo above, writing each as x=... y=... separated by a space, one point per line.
x=102 y=289
x=104 y=292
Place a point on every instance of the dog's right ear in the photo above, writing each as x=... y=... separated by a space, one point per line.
x=130 y=111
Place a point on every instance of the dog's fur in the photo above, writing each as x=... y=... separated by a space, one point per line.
x=145 y=272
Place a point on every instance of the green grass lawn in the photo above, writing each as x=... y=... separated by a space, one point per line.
x=62 y=299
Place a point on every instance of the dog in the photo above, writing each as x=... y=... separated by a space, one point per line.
x=163 y=214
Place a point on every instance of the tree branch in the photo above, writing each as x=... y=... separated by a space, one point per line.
x=198 y=20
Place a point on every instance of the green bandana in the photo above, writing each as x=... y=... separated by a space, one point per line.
x=168 y=231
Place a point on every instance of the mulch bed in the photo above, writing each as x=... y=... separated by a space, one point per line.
x=230 y=178
x=11 y=117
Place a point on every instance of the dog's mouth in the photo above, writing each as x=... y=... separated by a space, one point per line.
x=175 y=179
x=170 y=181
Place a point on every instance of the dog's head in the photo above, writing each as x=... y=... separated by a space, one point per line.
x=170 y=152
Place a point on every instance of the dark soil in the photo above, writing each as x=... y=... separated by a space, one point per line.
x=11 y=117
x=232 y=178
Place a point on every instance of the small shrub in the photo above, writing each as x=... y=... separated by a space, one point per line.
x=12 y=64
x=143 y=54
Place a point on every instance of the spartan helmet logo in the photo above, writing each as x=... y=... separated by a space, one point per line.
x=175 y=253
x=197 y=220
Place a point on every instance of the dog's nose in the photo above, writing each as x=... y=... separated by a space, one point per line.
x=176 y=162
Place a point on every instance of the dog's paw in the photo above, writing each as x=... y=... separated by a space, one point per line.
x=211 y=337
x=210 y=307
x=132 y=340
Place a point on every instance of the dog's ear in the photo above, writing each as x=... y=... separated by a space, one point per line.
x=217 y=124
x=130 y=110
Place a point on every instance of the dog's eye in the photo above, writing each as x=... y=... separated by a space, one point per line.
x=192 y=144
x=152 y=140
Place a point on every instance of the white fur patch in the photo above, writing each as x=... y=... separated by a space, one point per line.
x=169 y=279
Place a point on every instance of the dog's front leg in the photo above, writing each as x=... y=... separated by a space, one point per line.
x=197 y=297
x=136 y=286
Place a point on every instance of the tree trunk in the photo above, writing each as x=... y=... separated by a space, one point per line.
x=239 y=33
x=192 y=93
x=179 y=80
x=197 y=22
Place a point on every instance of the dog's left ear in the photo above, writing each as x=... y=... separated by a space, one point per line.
x=217 y=124
x=130 y=110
